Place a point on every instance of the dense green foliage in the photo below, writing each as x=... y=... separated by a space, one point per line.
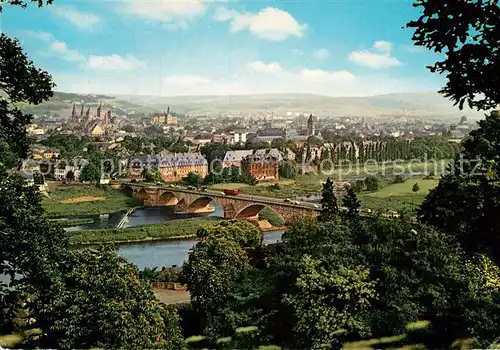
x=466 y=33
x=288 y=169
x=372 y=183
x=72 y=298
x=152 y=175
x=368 y=280
x=466 y=202
x=192 y=179
x=101 y=302
x=232 y=174
x=329 y=206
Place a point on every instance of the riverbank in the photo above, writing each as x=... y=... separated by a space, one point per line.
x=170 y=230
x=86 y=201
x=73 y=222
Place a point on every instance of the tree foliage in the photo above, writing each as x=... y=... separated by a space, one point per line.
x=330 y=210
x=288 y=169
x=371 y=183
x=102 y=303
x=466 y=202
x=467 y=32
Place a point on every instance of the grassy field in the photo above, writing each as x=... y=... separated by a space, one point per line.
x=398 y=197
x=271 y=216
x=86 y=201
x=312 y=183
x=175 y=229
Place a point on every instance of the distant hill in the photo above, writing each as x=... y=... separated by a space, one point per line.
x=428 y=105
x=62 y=103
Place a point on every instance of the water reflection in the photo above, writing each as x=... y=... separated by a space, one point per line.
x=170 y=253
x=141 y=216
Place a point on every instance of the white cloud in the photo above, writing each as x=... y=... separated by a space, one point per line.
x=114 y=62
x=321 y=53
x=382 y=46
x=259 y=66
x=269 y=23
x=318 y=75
x=55 y=47
x=82 y=20
x=60 y=47
x=379 y=57
x=176 y=13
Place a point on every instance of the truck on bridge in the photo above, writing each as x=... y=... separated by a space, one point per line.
x=231 y=192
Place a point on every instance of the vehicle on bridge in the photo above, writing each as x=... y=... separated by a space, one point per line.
x=231 y=192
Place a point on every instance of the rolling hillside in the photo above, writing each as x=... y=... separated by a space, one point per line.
x=425 y=105
x=429 y=105
x=62 y=103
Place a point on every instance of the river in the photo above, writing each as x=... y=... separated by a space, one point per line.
x=140 y=216
x=169 y=253
x=154 y=254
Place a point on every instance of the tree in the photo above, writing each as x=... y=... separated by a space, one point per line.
x=192 y=179
x=102 y=303
x=128 y=128
x=467 y=32
x=151 y=175
x=288 y=169
x=91 y=173
x=358 y=186
x=371 y=183
x=352 y=203
x=222 y=260
x=466 y=202
x=70 y=176
x=416 y=187
x=330 y=210
x=399 y=179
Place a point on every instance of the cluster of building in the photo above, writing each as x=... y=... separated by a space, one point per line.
x=262 y=164
x=92 y=124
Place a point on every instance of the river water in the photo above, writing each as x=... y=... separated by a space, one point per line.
x=169 y=253
x=141 y=216
x=154 y=254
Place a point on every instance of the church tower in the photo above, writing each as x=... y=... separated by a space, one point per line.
x=311 y=125
x=81 y=111
x=99 y=110
x=73 y=113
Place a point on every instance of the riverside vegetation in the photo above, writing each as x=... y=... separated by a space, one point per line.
x=175 y=229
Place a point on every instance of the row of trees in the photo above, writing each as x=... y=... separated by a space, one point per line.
x=428 y=147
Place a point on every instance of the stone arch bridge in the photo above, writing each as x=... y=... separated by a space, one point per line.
x=235 y=207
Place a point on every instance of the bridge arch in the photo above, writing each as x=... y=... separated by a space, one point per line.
x=199 y=204
x=142 y=194
x=167 y=198
x=252 y=211
x=129 y=191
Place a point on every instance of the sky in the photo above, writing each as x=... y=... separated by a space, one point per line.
x=199 y=47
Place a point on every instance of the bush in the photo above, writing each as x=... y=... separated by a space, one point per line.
x=372 y=183
x=399 y=179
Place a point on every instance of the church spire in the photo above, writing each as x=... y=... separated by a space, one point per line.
x=73 y=113
x=168 y=110
x=81 y=111
x=99 y=110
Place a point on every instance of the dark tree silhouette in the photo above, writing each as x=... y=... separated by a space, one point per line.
x=330 y=208
x=468 y=33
